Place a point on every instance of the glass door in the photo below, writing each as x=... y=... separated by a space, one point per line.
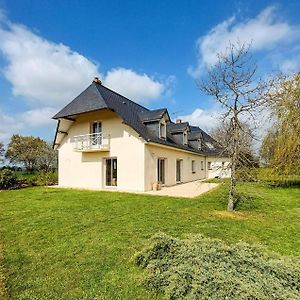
x=161 y=170
x=178 y=170
x=96 y=133
x=111 y=172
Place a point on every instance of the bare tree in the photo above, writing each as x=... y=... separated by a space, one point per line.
x=232 y=82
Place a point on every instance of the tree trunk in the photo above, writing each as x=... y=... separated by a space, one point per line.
x=232 y=187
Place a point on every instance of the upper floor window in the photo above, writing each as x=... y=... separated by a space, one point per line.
x=162 y=130
x=185 y=138
x=193 y=166
x=209 y=165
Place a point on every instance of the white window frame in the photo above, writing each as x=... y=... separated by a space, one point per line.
x=209 y=167
x=193 y=165
x=162 y=134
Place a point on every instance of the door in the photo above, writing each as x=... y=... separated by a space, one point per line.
x=111 y=172
x=178 y=170
x=96 y=137
x=161 y=170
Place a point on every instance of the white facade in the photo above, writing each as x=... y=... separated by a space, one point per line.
x=133 y=163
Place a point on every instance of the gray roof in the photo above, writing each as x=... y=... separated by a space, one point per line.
x=98 y=97
x=152 y=115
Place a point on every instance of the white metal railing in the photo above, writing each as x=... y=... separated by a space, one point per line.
x=93 y=141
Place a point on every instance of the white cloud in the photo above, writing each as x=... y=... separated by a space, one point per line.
x=264 y=31
x=41 y=70
x=38 y=117
x=138 y=87
x=53 y=74
x=205 y=119
x=9 y=126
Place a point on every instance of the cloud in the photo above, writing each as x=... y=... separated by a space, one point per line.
x=205 y=119
x=41 y=70
x=52 y=74
x=139 y=87
x=264 y=31
x=9 y=126
x=38 y=117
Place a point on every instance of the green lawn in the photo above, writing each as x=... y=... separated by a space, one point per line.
x=69 y=244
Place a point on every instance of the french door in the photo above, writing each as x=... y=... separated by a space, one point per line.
x=178 y=170
x=111 y=172
x=161 y=170
x=96 y=130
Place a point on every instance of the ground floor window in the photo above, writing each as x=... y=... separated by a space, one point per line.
x=111 y=171
x=161 y=172
x=178 y=170
x=209 y=165
x=202 y=166
x=193 y=167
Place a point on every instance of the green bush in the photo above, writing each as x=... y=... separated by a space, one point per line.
x=8 y=179
x=204 y=268
x=41 y=179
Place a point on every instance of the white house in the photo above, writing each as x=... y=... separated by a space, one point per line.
x=106 y=141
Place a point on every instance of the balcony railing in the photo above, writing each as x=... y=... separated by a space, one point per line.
x=91 y=142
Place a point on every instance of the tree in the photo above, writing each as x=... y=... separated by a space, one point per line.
x=232 y=82
x=48 y=161
x=2 y=151
x=30 y=151
x=281 y=145
x=247 y=157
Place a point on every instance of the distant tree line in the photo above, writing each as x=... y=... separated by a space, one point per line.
x=32 y=153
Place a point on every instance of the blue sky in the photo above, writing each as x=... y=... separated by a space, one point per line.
x=150 y=51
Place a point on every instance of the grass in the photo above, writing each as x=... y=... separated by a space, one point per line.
x=70 y=244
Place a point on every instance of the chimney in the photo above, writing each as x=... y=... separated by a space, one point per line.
x=178 y=121
x=97 y=80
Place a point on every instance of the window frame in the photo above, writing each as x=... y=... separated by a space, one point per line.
x=209 y=167
x=193 y=165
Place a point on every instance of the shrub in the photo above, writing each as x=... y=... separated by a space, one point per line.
x=8 y=179
x=204 y=268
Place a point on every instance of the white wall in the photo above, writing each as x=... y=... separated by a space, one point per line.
x=153 y=152
x=217 y=169
x=85 y=170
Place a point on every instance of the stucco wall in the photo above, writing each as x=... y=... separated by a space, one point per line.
x=218 y=169
x=85 y=170
x=153 y=152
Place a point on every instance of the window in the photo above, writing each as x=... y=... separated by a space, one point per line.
x=202 y=166
x=111 y=172
x=223 y=165
x=193 y=167
x=209 y=165
x=185 y=140
x=161 y=170
x=162 y=130
x=96 y=134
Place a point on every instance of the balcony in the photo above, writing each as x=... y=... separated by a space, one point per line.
x=91 y=142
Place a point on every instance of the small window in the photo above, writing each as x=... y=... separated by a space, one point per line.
x=193 y=167
x=209 y=165
x=162 y=130
x=185 y=140
x=202 y=166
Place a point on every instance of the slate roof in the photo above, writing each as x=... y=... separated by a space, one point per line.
x=97 y=97
x=177 y=127
x=152 y=115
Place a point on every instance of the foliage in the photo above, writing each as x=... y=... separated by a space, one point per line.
x=33 y=153
x=204 y=268
x=2 y=151
x=232 y=82
x=8 y=179
x=281 y=146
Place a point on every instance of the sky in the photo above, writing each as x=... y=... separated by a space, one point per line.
x=153 y=52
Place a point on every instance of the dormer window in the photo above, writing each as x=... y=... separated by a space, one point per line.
x=162 y=130
x=185 y=138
